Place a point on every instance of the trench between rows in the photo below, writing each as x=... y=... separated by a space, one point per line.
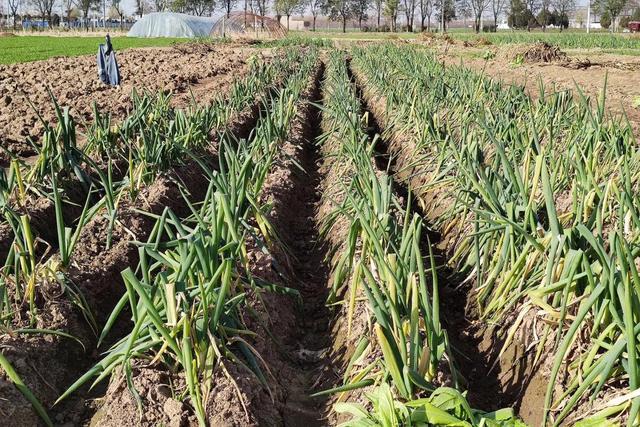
x=474 y=357
x=307 y=344
x=302 y=348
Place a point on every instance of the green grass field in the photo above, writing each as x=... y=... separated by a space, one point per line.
x=34 y=48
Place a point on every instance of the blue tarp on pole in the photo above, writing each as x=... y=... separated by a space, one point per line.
x=108 y=70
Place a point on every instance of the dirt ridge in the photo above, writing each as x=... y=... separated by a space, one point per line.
x=475 y=346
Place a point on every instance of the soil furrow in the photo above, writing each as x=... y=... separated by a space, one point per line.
x=474 y=357
x=293 y=189
x=282 y=328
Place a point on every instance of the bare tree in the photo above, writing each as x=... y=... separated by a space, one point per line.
x=14 y=6
x=409 y=12
x=532 y=6
x=262 y=7
x=426 y=9
x=477 y=8
x=142 y=7
x=446 y=13
x=199 y=7
x=391 y=12
x=360 y=8
x=84 y=6
x=228 y=6
x=497 y=7
x=286 y=8
x=67 y=8
x=316 y=7
x=118 y=10
x=546 y=14
x=464 y=11
x=563 y=8
x=377 y=5
x=339 y=10
x=44 y=8
x=277 y=9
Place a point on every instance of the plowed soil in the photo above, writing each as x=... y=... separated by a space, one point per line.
x=202 y=70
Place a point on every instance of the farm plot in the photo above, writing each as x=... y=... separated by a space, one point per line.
x=566 y=40
x=160 y=269
x=534 y=200
x=187 y=71
x=329 y=240
x=58 y=295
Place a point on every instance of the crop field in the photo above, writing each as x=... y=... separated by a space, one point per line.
x=565 y=40
x=302 y=234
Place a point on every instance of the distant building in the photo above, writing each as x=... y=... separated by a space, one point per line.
x=295 y=24
x=579 y=18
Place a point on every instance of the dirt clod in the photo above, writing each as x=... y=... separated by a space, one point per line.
x=173 y=408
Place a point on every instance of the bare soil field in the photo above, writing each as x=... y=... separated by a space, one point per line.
x=201 y=71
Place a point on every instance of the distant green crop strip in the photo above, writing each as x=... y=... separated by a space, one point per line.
x=564 y=40
x=35 y=48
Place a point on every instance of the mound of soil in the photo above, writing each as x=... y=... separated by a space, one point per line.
x=541 y=52
x=7 y=35
x=432 y=39
x=477 y=42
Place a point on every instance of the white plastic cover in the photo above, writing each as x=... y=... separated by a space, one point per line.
x=169 y=24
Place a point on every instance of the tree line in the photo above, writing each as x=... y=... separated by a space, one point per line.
x=398 y=15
